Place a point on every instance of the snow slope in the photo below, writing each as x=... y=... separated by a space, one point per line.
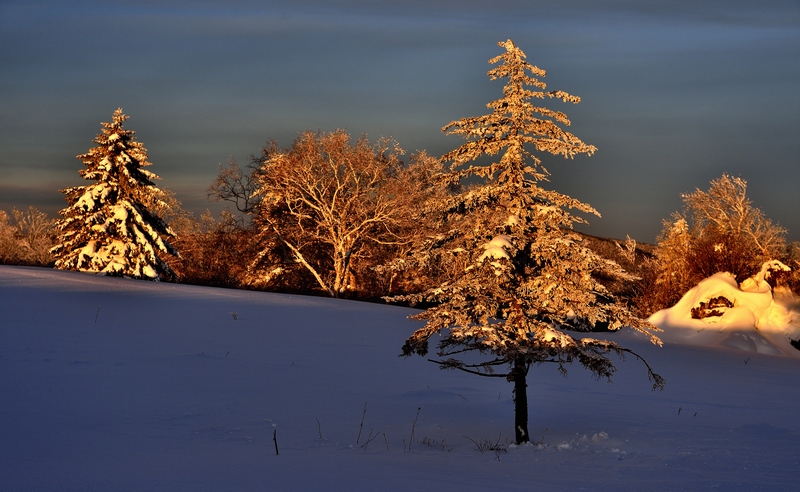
x=120 y=385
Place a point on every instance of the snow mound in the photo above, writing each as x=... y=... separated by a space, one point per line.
x=751 y=316
x=497 y=248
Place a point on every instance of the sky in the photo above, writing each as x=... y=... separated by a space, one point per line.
x=674 y=93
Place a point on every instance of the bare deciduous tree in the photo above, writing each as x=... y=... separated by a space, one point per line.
x=35 y=235
x=327 y=200
x=725 y=210
x=236 y=186
x=28 y=240
x=718 y=230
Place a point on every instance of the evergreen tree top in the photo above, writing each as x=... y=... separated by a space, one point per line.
x=513 y=123
x=118 y=161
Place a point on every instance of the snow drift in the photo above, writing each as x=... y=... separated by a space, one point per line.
x=751 y=316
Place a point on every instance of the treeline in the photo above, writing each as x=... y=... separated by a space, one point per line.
x=718 y=230
x=336 y=216
x=320 y=217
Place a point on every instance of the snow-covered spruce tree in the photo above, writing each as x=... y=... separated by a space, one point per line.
x=529 y=279
x=109 y=226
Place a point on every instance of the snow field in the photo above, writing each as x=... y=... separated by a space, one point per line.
x=114 y=384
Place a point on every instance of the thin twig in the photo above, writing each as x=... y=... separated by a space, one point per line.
x=275 y=440
x=544 y=434
x=361 y=427
x=413 y=427
x=658 y=381
x=370 y=439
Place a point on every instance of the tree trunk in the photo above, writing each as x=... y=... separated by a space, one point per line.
x=339 y=271
x=520 y=373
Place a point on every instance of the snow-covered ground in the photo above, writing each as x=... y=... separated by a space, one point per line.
x=114 y=385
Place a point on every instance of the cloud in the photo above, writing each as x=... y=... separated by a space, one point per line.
x=674 y=90
x=44 y=195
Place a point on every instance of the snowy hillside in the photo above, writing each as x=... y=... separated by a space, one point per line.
x=121 y=385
